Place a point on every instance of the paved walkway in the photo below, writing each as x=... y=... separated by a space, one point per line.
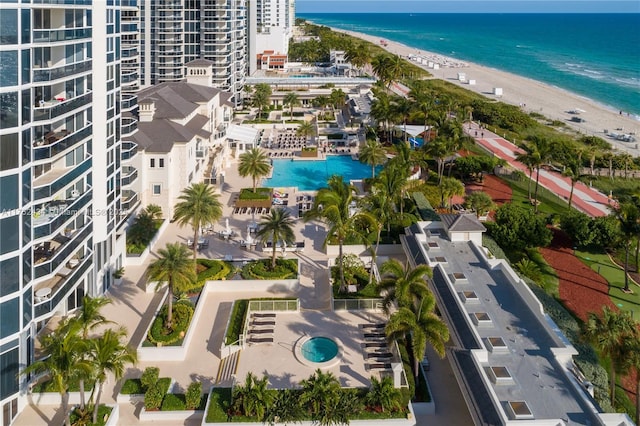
x=585 y=198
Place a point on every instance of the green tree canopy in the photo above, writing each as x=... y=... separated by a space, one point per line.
x=516 y=228
x=254 y=163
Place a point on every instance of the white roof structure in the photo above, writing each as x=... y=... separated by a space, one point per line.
x=247 y=135
x=412 y=129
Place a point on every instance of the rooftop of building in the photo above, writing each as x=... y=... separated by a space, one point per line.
x=159 y=136
x=177 y=100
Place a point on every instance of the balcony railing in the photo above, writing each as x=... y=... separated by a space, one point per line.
x=65 y=2
x=57 y=214
x=49 y=36
x=54 y=109
x=129 y=175
x=129 y=77
x=129 y=199
x=57 y=145
x=129 y=52
x=129 y=125
x=62 y=286
x=48 y=260
x=129 y=150
x=64 y=71
x=56 y=179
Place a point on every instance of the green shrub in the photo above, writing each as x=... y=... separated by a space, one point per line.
x=261 y=270
x=182 y=314
x=218 y=405
x=193 y=395
x=425 y=210
x=260 y=194
x=149 y=377
x=236 y=321
x=153 y=397
x=173 y=402
x=215 y=270
x=132 y=387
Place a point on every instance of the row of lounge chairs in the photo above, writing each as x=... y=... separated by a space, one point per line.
x=251 y=210
x=281 y=154
x=261 y=327
x=376 y=352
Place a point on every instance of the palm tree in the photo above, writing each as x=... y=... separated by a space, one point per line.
x=423 y=102
x=438 y=150
x=449 y=188
x=383 y=394
x=538 y=150
x=358 y=55
x=261 y=97
x=320 y=102
x=276 y=226
x=336 y=98
x=373 y=154
x=380 y=206
x=198 y=206
x=403 y=285
x=176 y=269
x=332 y=205
x=254 y=163
x=88 y=318
x=154 y=211
x=572 y=170
x=403 y=108
x=608 y=333
x=291 y=99
x=628 y=216
x=319 y=390
x=306 y=129
x=62 y=350
x=529 y=160
x=424 y=326
x=253 y=398
x=109 y=355
x=285 y=408
x=382 y=68
x=382 y=112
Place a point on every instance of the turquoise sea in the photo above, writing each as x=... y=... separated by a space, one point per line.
x=593 y=55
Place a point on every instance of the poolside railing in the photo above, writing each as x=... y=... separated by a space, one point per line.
x=357 y=304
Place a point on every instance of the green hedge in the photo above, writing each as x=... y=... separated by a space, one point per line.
x=173 y=402
x=132 y=387
x=215 y=270
x=261 y=269
x=425 y=210
x=182 y=314
x=218 y=405
x=236 y=321
x=260 y=194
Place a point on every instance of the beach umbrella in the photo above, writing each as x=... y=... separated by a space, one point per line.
x=226 y=222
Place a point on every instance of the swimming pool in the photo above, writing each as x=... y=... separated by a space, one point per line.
x=319 y=349
x=313 y=175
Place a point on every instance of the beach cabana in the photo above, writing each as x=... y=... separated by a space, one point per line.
x=415 y=133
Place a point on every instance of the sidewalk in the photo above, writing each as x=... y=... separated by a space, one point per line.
x=585 y=199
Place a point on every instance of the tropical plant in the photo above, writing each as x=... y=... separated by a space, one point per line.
x=383 y=394
x=608 y=333
x=193 y=395
x=306 y=129
x=480 y=202
x=449 y=188
x=628 y=216
x=154 y=211
x=373 y=154
x=254 y=163
x=109 y=355
x=149 y=377
x=198 y=206
x=332 y=205
x=276 y=226
x=285 y=408
x=62 y=351
x=516 y=228
x=438 y=149
x=319 y=391
x=423 y=325
x=402 y=108
x=337 y=98
x=261 y=97
x=358 y=55
x=292 y=100
x=537 y=153
x=403 y=285
x=252 y=398
x=423 y=101
x=382 y=112
x=174 y=267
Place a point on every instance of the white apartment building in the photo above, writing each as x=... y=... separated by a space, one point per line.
x=181 y=137
x=175 y=32
x=271 y=25
x=60 y=147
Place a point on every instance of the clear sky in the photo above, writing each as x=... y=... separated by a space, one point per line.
x=467 y=6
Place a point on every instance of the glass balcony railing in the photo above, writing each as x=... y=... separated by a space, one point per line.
x=129 y=77
x=129 y=199
x=49 y=36
x=61 y=286
x=129 y=28
x=129 y=150
x=129 y=101
x=56 y=179
x=57 y=214
x=47 y=260
x=129 y=175
x=129 y=52
x=50 y=74
x=54 y=109
x=58 y=145
x=129 y=125
x=65 y=2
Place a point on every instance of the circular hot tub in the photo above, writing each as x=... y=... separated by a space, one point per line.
x=317 y=351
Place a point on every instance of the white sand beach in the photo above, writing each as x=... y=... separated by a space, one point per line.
x=532 y=96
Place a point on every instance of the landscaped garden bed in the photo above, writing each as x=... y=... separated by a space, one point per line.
x=309 y=152
x=261 y=270
x=261 y=198
x=182 y=314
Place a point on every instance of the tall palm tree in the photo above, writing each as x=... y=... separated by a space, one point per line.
x=337 y=97
x=403 y=285
x=358 y=55
x=306 y=129
x=380 y=206
x=332 y=205
x=572 y=170
x=608 y=333
x=449 y=188
x=254 y=163
x=382 y=112
x=424 y=326
x=261 y=97
x=423 y=99
x=62 y=350
x=321 y=102
x=88 y=318
x=438 y=149
x=402 y=107
x=382 y=68
x=529 y=160
x=540 y=151
x=276 y=226
x=198 y=206
x=628 y=216
x=292 y=100
x=373 y=154
x=109 y=355
x=174 y=267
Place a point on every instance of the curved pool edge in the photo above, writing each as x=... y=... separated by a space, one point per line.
x=297 y=352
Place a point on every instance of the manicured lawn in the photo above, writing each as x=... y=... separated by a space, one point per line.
x=549 y=202
x=602 y=264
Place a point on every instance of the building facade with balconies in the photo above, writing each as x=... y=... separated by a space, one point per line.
x=175 y=32
x=180 y=138
x=59 y=171
x=271 y=25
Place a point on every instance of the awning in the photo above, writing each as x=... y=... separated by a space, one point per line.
x=412 y=130
x=243 y=134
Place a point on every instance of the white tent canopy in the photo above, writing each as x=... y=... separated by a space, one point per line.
x=244 y=137
x=412 y=130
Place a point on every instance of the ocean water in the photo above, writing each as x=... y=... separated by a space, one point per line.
x=596 y=56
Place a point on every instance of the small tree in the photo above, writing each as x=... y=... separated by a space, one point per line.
x=149 y=377
x=153 y=397
x=193 y=395
x=480 y=202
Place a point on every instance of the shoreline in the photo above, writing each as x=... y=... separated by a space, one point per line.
x=531 y=95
